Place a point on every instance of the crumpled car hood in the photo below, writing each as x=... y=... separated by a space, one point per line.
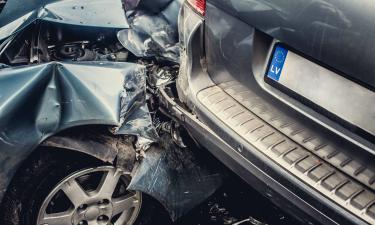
x=150 y=32
x=17 y=15
x=59 y=95
x=39 y=100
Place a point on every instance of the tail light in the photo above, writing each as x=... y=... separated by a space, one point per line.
x=198 y=5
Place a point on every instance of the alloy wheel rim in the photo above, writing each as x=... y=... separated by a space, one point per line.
x=94 y=196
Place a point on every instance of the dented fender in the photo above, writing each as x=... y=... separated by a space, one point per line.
x=97 y=142
x=37 y=102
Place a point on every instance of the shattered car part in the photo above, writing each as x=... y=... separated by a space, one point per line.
x=160 y=75
x=153 y=29
x=176 y=177
x=173 y=129
x=39 y=101
x=134 y=115
x=60 y=95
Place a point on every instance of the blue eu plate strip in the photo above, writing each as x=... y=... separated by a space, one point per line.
x=277 y=63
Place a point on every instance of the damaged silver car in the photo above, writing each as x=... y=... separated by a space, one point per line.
x=83 y=139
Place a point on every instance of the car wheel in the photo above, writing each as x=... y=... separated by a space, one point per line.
x=56 y=189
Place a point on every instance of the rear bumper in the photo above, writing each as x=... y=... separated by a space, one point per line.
x=286 y=191
x=255 y=165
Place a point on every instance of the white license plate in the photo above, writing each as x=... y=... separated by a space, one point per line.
x=326 y=89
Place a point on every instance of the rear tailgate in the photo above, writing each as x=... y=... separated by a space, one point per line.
x=240 y=41
x=340 y=34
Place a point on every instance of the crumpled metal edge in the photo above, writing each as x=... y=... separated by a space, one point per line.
x=153 y=29
x=96 y=13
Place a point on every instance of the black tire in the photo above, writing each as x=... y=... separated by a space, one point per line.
x=43 y=171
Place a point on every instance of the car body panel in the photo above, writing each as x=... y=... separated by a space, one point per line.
x=220 y=48
x=95 y=13
x=37 y=102
x=340 y=34
x=237 y=51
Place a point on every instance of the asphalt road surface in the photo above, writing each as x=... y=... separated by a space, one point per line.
x=237 y=203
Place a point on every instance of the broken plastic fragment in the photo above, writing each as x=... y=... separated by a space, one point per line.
x=153 y=29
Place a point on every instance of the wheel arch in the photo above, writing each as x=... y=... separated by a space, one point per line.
x=94 y=141
x=92 y=144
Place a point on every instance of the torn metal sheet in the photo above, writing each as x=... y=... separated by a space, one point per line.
x=97 y=141
x=135 y=117
x=40 y=100
x=153 y=29
x=17 y=15
x=177 y=177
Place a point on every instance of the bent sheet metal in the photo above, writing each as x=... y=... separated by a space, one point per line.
x=153 y=29
x=41 y=100
x=17 y=15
